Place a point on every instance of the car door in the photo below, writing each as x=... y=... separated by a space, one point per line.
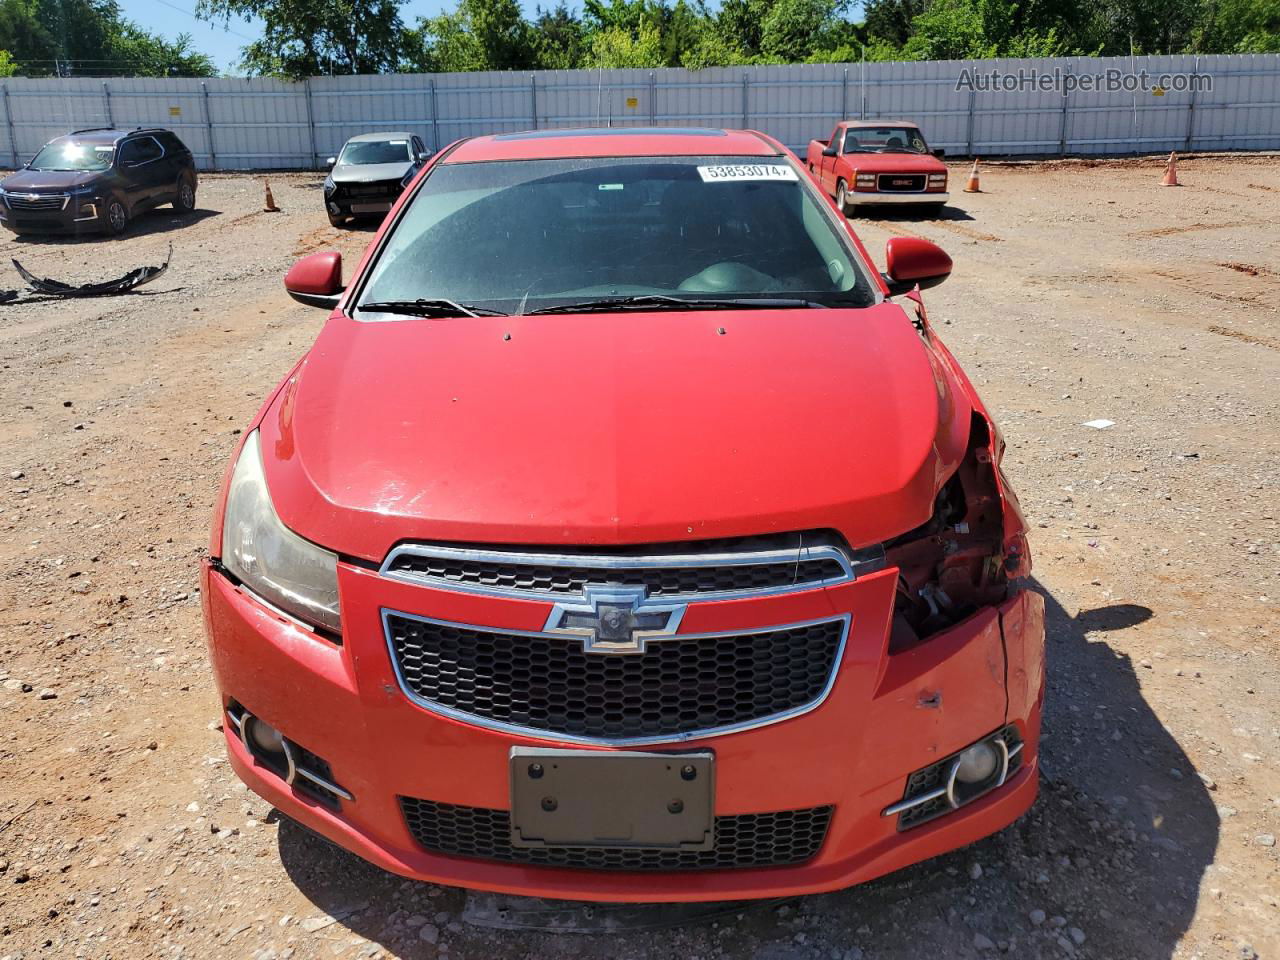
x=829 y=163
x=143 y=171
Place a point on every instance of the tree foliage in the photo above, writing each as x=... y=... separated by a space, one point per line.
x=303 y=38
x=89 y=38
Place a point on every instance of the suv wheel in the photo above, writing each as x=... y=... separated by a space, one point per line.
x=186 y=199
x=117 y=217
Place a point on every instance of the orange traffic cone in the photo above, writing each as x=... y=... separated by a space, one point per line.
x=972 y=185
x=269 y=204
x=1171 y=174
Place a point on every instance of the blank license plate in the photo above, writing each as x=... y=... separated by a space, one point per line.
x=591 y=798
x=382 y=207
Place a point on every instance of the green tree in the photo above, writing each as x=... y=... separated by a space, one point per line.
x=303 y=38
x=7 y=65
x=793 y=28
x=559 y=39
x=477 y=35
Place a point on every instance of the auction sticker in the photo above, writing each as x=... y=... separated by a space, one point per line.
x=747 y=171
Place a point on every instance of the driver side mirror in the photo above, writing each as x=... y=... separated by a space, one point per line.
x=939 y=153
x=423 y=156
x=912 y=261
x=316 y=280
x=330 y=163
x=829 y=152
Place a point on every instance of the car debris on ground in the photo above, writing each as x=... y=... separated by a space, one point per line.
x=56 y=288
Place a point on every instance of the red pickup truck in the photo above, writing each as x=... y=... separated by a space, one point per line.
x=867 y=162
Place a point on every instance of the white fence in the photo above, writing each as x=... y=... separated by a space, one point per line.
x=258 y=123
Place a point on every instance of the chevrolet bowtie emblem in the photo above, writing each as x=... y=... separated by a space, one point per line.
x=615 y=619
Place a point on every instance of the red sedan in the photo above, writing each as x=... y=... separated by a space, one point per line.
x=626 y=536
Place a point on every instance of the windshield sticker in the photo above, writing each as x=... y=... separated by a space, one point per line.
x=747 y=171
x=611 y=186
x=397 y=143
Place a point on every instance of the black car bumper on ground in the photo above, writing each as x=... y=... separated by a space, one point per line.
x=53 y=212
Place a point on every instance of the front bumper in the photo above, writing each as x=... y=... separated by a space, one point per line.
x=885 y=717
x=869 y=197
x=69 y=220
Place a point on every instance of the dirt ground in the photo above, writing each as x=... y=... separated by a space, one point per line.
x=1082 y=291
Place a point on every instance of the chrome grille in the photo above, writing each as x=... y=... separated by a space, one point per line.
x=697 y=571
x=679 y=687
x=36 y=201
x=742 y=841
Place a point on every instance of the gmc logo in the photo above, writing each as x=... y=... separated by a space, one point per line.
x=901 y=182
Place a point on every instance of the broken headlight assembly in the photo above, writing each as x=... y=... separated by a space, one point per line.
x=958 y=562
x=288 y=572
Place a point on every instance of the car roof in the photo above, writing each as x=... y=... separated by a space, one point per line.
x=106 y=135
x=612 y=142
x=380 y=137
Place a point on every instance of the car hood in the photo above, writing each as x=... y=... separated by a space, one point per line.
x=365 y=172
x=896 y=163
x=48 y=180
x=608 y=429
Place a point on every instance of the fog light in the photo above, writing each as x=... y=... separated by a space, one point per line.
x=978 y=763
x=266 y=737
x=334 y=208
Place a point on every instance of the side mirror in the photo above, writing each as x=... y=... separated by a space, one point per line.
x=423 y=156
x=316 y=280
x=829 y=152
x=912 y=261
x=939 y=153
x=331 y=162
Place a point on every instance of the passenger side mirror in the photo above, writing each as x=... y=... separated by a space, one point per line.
x=423 y=156
x=912 y=261
x=331 y=163
x=939 y=153
x=829 y=152
x=316 y=280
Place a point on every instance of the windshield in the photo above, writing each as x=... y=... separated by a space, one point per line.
x=375 y=151
x=884 y=140
x=66 y=155
x=517 y=236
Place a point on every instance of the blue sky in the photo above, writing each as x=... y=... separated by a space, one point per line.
x=172 y=17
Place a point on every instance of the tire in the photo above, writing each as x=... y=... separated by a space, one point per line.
x=842 y=200
x=185 y=201
x=933 y=210
x=117 y=218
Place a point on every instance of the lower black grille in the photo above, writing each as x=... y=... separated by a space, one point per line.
x=376 y=190
x=742 y=841
x=678 y=685
x=905 y=182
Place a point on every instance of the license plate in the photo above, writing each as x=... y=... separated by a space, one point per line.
x=370 y=207
x=590 y=798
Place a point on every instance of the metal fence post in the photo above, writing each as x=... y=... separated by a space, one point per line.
x=1191 y=109
x=311 y=122
x=653 y=100
x=106 y=98
x=8 y=119
x=969 y=135
x=435 y=117
x=844 y=96
x=208 y=125
x=1062 y=123
x=533 y=97
x=745 y=124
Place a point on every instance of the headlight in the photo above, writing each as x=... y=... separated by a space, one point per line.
x=270 y=559
x=329 y=185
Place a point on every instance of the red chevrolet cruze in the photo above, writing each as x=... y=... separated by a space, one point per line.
x=626 y=536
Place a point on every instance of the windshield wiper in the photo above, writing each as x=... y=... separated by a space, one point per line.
x=658 y=301
x=429 y=309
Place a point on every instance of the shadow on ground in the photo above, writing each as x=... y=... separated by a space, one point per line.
x=1113 y=853
x=160 y=220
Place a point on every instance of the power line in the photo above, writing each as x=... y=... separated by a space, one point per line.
x=225 y=28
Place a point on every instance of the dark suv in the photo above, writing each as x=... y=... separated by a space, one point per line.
x=98 y=179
